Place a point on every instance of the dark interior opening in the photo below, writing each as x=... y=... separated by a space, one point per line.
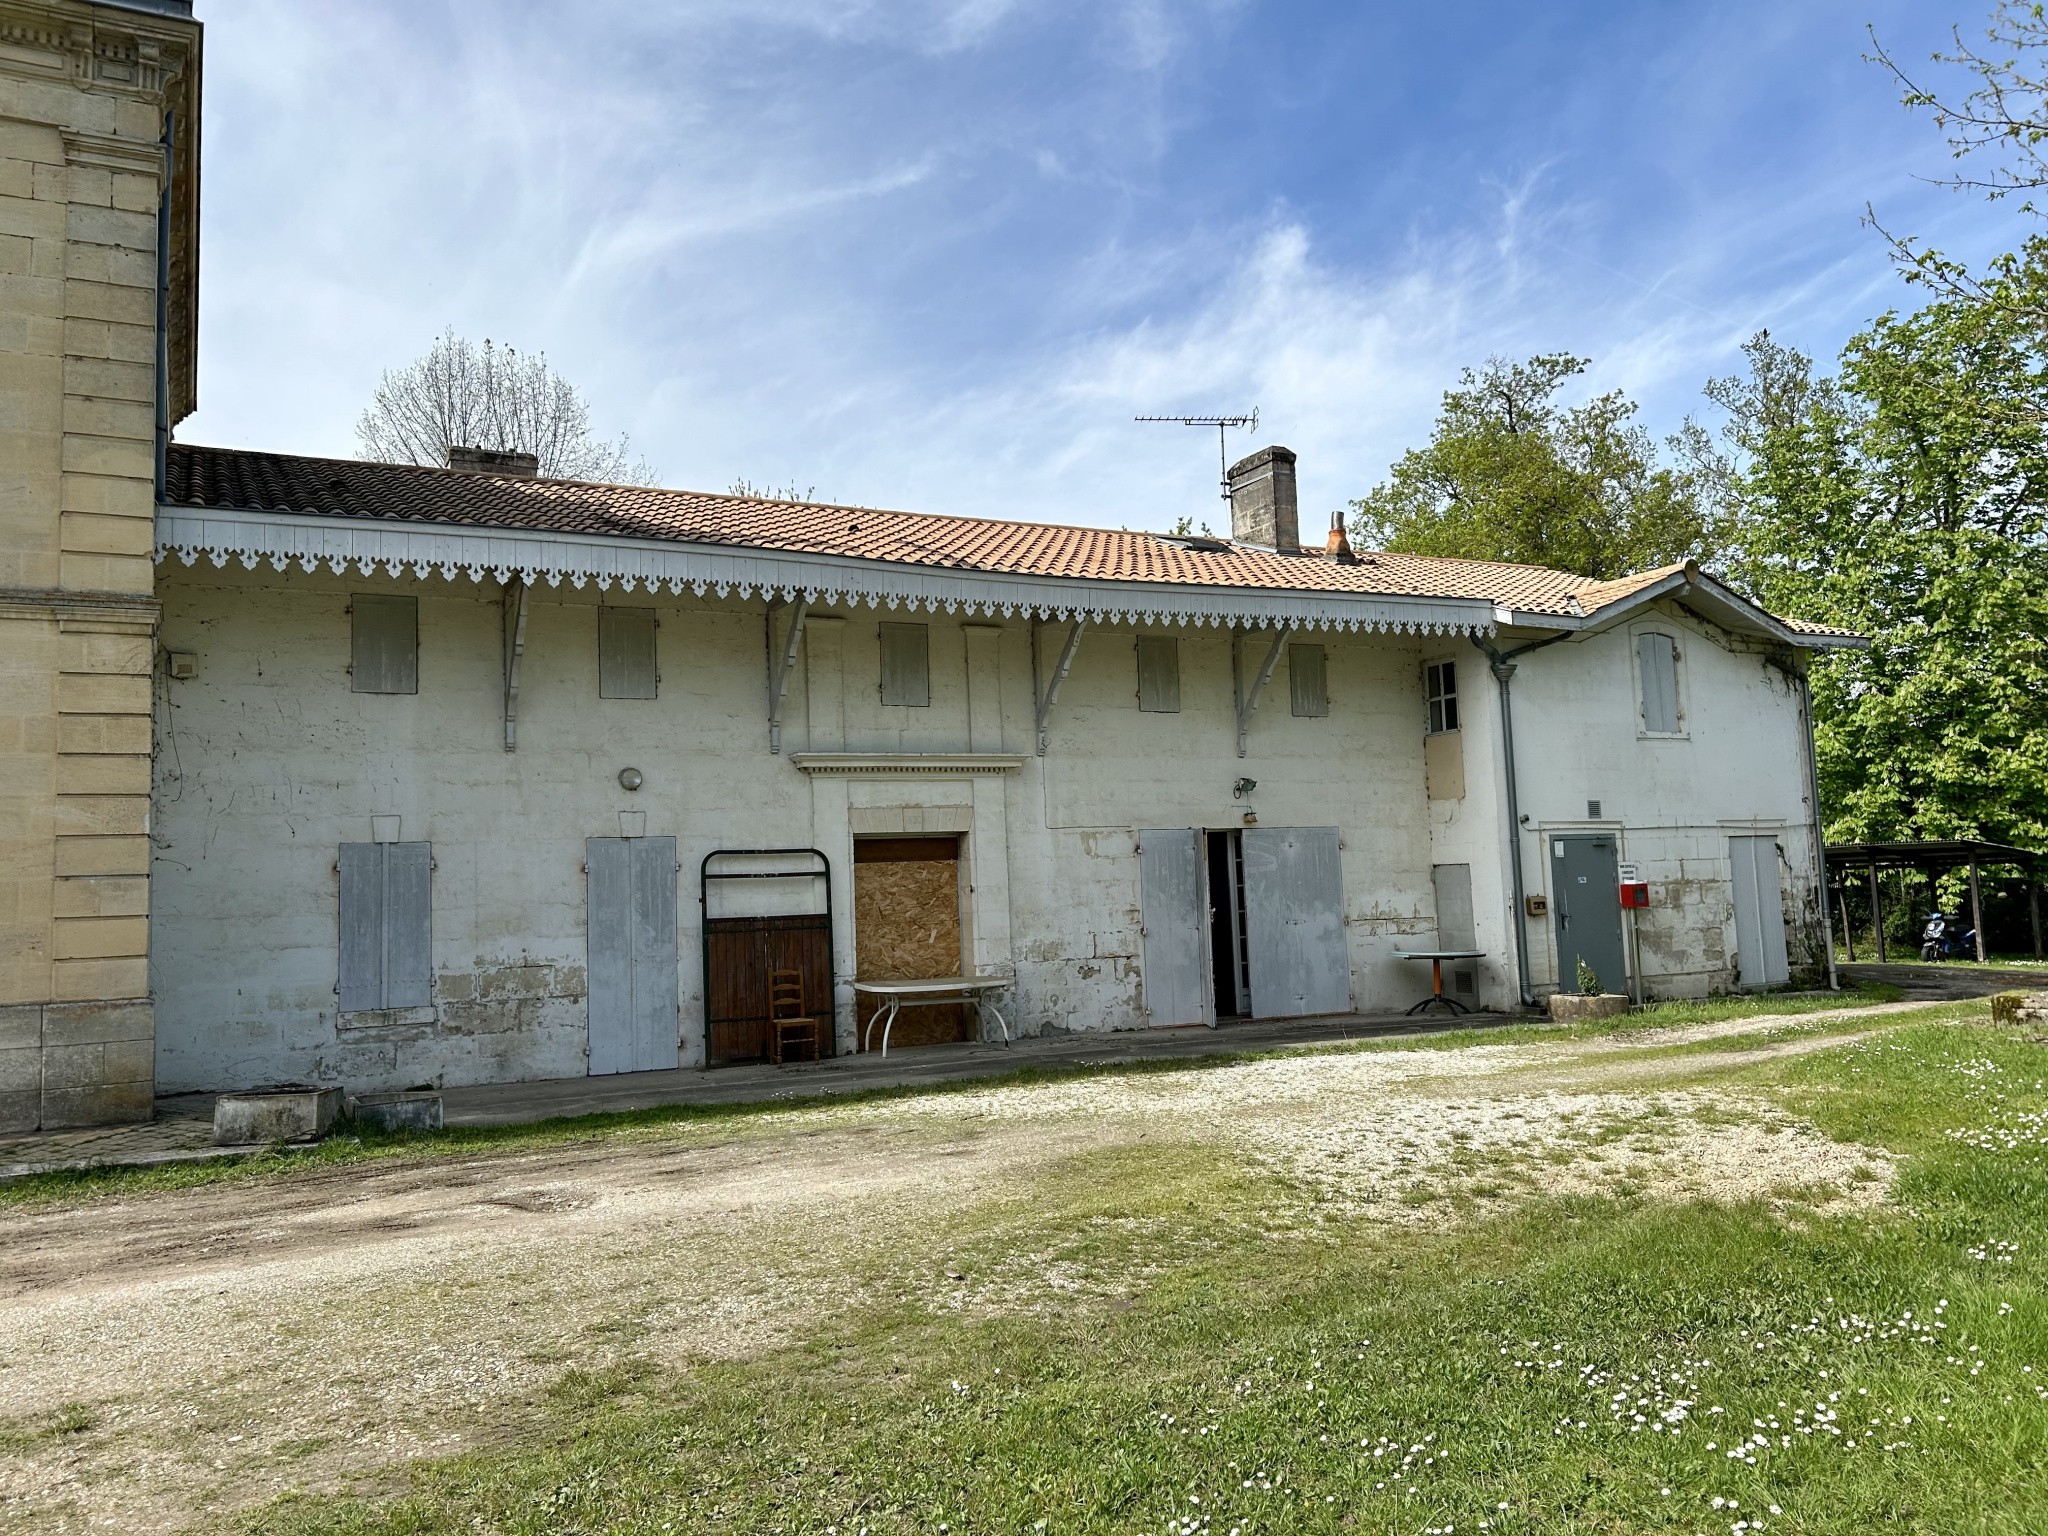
x=1227 y=960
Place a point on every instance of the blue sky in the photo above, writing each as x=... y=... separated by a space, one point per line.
x=937 y=253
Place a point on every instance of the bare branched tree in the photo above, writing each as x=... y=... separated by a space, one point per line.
x=2000 y=130
x=461 y=395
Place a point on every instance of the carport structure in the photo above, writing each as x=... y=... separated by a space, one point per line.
x=1931 y=859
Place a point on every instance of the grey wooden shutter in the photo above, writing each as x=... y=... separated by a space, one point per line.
x=1455 y=928
x=361 y=938
x=1173 y=905
x=1308 y=687
x=906 y=664
x=1760 y=957
x=384 y=643
x=1159 y=674
x=632 y=988
x=1294 y=922
x=1657 y=660
x=408 y=924
x=385 y=949
x=625 y=653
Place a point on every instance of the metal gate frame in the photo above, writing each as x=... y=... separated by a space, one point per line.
x=704 y=879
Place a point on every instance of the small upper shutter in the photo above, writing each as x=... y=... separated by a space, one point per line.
x=625 y=653
x=906 y=664
x=361 y=945
x=1159 y=674
x=1308 y=685
x=384 y=652
x=1657 y=660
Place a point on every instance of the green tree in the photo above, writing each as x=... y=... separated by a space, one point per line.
x=1511 y=473
x=1905 y=499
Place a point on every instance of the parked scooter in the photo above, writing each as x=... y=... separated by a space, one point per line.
x=1947 y=937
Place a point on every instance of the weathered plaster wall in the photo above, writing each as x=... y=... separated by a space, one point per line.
x=269 y=762
x=1738 y=768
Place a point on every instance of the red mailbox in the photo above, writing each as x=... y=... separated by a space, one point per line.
x=1635 y=894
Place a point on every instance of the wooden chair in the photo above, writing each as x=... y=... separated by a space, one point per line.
x=788 y=1025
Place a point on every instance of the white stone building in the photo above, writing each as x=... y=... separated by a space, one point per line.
x=443 y=759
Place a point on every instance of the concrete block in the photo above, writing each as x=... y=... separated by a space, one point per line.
x=21 y=1027
x=97 y=1023
x=121 y=227
x=106 y=379
x=107 y=1104
x=107 y=573
x=87 y=980
x=397 y=1111
x=102 y=815
x=95 y=533
x=99 y=896
x=96 y=773
x=20 y=1110
x=108 y=418
x=128 y=733
x=101 y=856
x=74 y=1066
x=130 y=1061
x=99 y=938
x=21 y=1070
x=1573 y=1008
x=93 y=651
x=103 y=693
x=282 y=1114
x=15 y=251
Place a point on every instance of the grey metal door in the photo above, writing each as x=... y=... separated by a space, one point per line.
x=1294 y=922
x=1760 y=959
x=1585 y=880
x=1174 y=909
x=632 y=951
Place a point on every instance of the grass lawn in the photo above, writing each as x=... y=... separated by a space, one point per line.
x=1270 y=1363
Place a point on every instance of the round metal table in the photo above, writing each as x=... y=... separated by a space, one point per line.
x=1436 y=959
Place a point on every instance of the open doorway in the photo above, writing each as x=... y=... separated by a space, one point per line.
x=1229 y=961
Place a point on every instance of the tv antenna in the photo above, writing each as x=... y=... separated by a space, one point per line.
x=1222 y=424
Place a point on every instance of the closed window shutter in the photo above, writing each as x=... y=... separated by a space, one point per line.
x=384 y=643
x=1657 y=660
x=408 y=925
x=906 y=665
x=1159 y=674
x=386 y=941
x=625 y=653
x=362 y=927
x=1308 y=687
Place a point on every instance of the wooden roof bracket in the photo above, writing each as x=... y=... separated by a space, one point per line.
x=518 y=593
x=779 y=668
x=1248 y=699
x=1051 y=693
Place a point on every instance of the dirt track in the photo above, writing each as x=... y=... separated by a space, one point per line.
x=314 y=1329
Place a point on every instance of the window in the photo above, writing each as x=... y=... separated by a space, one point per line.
x=1441 y=684
x=906 y=664
x=1657 y=672
x=387 y=926
x=1159 y=674
x=1308 y=683
x=384 y=644
x=625 y=653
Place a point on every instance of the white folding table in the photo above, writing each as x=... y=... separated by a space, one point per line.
x=894 y=996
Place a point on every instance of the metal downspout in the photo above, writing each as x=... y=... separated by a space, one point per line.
x=1820 y=847
x=1503 y=664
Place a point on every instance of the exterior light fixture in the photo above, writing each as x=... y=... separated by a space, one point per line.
x=629 y=778
x=1242 y=788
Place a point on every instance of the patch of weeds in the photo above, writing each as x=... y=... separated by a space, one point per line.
x=34 y=1430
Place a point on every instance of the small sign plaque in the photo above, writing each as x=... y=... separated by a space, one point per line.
x=1628 y=874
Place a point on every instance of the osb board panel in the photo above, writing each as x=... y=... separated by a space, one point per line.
x=906 y=927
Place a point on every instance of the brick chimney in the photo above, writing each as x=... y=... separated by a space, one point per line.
x=1263 y=506
x=494 y=461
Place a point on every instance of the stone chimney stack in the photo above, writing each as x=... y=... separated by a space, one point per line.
x=494 y=461
x=1264 y=509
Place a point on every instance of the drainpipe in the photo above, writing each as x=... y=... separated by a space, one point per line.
x=1820 y=849
x=163 y=303
x=1503 y=664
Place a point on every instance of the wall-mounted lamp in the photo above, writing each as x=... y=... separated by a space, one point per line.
x=629 y=778
x=1242 y=788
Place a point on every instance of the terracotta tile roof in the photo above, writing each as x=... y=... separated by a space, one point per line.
x=225 y=477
